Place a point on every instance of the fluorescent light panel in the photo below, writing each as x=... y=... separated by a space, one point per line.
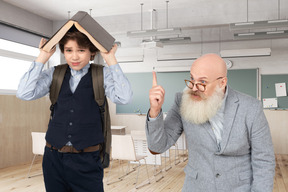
x=130 y=59
x=246 y=52
x=261 y=35
x=154 y=32
x=259 y=25
x=178 y=56
x=171 y=41
x=177 y=40
x=172 y=69
x=151 y=45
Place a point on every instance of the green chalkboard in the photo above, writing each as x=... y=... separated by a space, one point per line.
x=244 y=80
x=268 y=88
x=141 y=83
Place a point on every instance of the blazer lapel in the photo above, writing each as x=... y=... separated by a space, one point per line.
x=231 y=107
x=208 y=128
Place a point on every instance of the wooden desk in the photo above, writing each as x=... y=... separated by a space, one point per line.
x=118 y=130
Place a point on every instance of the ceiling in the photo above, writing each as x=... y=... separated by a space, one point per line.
x=58 y=9
x=191 y=15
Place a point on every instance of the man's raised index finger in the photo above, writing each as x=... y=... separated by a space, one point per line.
x=154 y=83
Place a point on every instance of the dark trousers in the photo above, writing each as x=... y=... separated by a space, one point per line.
x=72 y=172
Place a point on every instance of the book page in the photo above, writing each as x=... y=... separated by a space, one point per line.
x=57 y=36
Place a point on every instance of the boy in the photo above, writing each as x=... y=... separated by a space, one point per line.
x=76 y=120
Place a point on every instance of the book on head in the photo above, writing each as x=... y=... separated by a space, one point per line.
x=88 y=26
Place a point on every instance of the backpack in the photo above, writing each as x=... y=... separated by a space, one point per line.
x=100 y=98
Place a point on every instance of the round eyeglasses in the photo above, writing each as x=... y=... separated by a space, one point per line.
x=200 y=86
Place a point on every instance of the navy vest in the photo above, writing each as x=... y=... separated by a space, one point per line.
x=76 y=116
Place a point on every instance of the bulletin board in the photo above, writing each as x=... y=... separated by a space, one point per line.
x=268 y=88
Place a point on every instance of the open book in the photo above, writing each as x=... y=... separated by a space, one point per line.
x=87 y=25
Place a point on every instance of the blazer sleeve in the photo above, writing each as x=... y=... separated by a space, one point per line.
x=161 y=135
x=262 y=153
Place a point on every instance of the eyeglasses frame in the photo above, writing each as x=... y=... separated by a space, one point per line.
x=196 y=84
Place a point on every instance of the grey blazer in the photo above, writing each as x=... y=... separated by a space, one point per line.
x=246 y=161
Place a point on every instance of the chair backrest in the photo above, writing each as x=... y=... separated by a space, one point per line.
x=138 y=135
x=38 y=142
x=123 y=147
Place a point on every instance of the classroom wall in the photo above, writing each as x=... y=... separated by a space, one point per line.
x=278 y=122
x=17 y=120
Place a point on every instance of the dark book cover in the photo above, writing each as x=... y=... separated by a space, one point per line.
x=87 y=25
x=94 y=29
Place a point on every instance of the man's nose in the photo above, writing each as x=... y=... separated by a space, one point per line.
x=194 y=87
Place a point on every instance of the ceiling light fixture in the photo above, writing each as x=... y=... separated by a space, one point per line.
x=178 y=56
x=153 y=32
x=171 y=41
x=258 y=25
x=261 y=35
x=246 y=52
x=151 y=44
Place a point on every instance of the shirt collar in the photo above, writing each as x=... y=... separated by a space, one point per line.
x=83 y=70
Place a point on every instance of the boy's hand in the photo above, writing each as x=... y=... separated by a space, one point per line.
x=109 y=57
x=44 y=56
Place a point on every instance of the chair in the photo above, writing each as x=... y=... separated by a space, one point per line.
x=123 y=149
x=38 y=145
x=141 y=136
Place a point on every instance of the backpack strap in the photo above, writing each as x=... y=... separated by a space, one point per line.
x=98 y=82
x=56 y=84
x=100 y=98
x=57 y=81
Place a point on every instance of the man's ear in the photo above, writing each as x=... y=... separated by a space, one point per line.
x=224 y=82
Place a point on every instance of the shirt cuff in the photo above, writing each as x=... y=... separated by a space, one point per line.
x=37 y=65
x=153 y=119
x=115 y=68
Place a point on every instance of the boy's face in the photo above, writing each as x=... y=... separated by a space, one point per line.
x=76 y=57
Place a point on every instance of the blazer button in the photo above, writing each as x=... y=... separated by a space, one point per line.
x=218 y=175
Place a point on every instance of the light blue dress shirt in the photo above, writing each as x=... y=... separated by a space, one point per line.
x=35 y=83
x=217 y=121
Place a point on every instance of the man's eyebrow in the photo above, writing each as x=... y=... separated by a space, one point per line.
x=201 y=78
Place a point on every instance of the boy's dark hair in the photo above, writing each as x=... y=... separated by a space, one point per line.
x=81 y=39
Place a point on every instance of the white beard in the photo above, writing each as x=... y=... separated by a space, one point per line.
x=199 y=112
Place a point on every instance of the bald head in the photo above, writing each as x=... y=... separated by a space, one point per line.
x=210 y=65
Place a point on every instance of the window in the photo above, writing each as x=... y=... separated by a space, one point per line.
x=15 y=60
